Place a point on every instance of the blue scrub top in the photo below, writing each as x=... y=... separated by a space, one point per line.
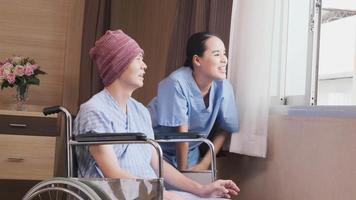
x=102 y=114
x=179 y=101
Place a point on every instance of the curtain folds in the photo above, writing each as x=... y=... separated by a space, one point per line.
x=251 y=46
x=195 y=16
x=96 y=22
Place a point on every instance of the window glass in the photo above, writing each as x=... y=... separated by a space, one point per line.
x=337 y=53
x=297 y=47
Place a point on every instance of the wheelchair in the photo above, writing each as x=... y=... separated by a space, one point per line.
x=74 y=188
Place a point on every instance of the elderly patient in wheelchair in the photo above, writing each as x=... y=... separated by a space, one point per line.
x=120 y=63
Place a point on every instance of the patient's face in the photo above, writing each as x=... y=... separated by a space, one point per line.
x=213 y=62
x=133 y=75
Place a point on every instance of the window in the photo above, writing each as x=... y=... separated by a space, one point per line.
x=337 y=53
x=314 y=60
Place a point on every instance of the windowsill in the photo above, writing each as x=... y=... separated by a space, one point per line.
x=342 y=75
x=315 y=111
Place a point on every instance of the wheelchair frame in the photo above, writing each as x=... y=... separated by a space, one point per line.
x=86 y=191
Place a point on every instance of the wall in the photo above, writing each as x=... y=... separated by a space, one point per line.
x=26 y=31
x=45 y=31
x=308 y=158
x=50 y=32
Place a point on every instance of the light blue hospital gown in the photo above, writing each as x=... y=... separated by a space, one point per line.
x=179 y=101
x=103 y=115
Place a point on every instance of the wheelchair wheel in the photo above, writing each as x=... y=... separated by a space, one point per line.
x=61 y=188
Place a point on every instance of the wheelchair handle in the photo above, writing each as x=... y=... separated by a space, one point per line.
x=51 y=110
x=68 y=123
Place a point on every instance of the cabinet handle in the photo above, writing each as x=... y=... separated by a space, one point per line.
x=17 y=160
x=18 y=125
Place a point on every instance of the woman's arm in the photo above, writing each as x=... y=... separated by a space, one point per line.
x=182 y=149
x=218 y=142
x=219 y=188
x=105 y=157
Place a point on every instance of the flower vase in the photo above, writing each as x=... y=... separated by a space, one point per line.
x=21 y=97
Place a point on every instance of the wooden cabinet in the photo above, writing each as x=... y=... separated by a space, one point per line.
x=27 y=123
x=27 y=145
x=51 y=33
x=26 y=157
x=31 y=145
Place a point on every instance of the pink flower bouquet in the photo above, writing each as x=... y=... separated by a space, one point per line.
x=20 y=72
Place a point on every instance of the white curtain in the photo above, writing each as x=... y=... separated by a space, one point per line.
x=250 y=60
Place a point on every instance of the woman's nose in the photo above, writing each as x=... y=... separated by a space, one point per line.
x=143 y=66
x=224 y=59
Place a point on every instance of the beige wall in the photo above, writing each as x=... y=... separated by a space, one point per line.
x=50 y=32
x=36 y=29
x=308 y=158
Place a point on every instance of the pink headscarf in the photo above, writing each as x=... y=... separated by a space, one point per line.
x=112 y=54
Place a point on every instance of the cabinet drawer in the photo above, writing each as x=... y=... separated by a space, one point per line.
x=26 y=157
x=28 y=125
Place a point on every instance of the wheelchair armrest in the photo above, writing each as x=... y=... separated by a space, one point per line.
x=51 y=110
x=189 y=137
x=93 y=138
x=177 y=135
x=99 y=137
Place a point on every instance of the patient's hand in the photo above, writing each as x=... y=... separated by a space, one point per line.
x=220 y=188
x=171 y=196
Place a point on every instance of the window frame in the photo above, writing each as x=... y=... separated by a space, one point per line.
x=305 y=105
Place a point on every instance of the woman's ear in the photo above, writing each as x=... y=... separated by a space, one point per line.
x=196 y=60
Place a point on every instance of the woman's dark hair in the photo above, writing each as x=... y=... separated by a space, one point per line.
x=196 y=46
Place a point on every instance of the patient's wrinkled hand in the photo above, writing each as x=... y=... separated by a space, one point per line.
x=220 y=188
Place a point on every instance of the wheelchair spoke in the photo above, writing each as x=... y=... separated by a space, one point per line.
x=49 y=192
x=57 y=195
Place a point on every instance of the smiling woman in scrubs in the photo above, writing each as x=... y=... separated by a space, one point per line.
x=120 y=64
x=196 y=97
